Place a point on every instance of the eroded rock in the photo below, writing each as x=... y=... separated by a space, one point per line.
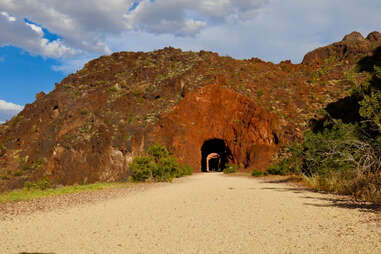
x=215 y=112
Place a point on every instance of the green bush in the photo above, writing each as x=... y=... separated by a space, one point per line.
x=333 y=148
x=257 y=173
x=284 y=167
x=5 y=177
x=158 y=152
x=41 y=184
x=167 y=168
x=277 y=169
x=142 y=168
x=157 y=166
x=230 y=168
x=18 y=173
x=343 y=157
x=370 y=105
x=185 y=170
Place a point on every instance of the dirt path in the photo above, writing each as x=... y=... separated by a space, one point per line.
x=205 y=213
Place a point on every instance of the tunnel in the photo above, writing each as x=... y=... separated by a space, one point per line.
x=215 y=146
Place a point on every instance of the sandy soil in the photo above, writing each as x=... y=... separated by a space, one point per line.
x=204 y=213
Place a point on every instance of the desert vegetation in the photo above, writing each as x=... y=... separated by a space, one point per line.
x=158 y=166
x=230 y=168
x=341 y=152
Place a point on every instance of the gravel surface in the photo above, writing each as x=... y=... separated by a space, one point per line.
x=10 y=209
x=204 y=213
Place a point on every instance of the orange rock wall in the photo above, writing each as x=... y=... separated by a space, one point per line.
x=217 y=112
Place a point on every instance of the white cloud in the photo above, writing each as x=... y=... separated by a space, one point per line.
x=84 y=24
x=30 y=37
x=270 y=29
x=185 y=17
x=276 y=31
x=10 y=18
x=35 y=28
x=8 y=110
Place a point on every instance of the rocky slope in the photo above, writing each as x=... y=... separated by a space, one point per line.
x=97 y=120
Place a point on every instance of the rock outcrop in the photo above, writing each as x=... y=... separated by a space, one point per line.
x=351 y=49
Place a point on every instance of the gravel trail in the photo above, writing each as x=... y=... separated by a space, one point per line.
x=204 y=213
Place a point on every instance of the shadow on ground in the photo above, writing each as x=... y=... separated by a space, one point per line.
x=329 y=201
x=345 y=203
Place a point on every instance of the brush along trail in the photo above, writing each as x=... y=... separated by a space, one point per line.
x=203 y=213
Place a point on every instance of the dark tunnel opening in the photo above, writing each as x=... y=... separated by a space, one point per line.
x=218 y=152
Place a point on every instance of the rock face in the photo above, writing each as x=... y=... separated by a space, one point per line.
x=248 y=132
x=96 y=121
x=351 y=48
x=374 y=36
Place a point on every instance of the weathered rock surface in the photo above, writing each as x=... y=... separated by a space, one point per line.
x=374 y=36
x=215 y=112
x=351 y=49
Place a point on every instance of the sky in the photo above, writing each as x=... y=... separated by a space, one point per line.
x=42 y=41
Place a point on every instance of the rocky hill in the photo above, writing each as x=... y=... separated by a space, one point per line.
x=97 y=120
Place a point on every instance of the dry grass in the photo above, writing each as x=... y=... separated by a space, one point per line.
x=363 y=187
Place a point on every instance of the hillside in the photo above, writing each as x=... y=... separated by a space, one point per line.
x=97 y=120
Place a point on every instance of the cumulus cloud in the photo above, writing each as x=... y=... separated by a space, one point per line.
x=84 y=24
x=184 y=17
x=271 y=29
x=8 y=110
x=35 y=28
x=10 y=18
x=17 y=32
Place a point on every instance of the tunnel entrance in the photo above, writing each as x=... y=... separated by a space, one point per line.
x=214 y=155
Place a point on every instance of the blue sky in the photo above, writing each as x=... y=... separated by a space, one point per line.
x=23 y=75
x=43 y=41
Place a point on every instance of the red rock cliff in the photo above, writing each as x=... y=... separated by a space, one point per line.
x=215 y=112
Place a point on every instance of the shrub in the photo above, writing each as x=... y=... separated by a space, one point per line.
x=18 y=173
x=371 y=107
x=287 y=166
x=230 y=168
x=341 y=158
x=185 y=170
x=345 y=157
x=157 y=166
x=340 y=148
x=277 y=169
x=259 y=93
x=158 y=152
x=167 y=168
x=257 y=173
x=41 y=184
x=5 y=177
x=142 y=168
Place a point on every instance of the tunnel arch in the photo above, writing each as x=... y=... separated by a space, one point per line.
x=219 y=147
